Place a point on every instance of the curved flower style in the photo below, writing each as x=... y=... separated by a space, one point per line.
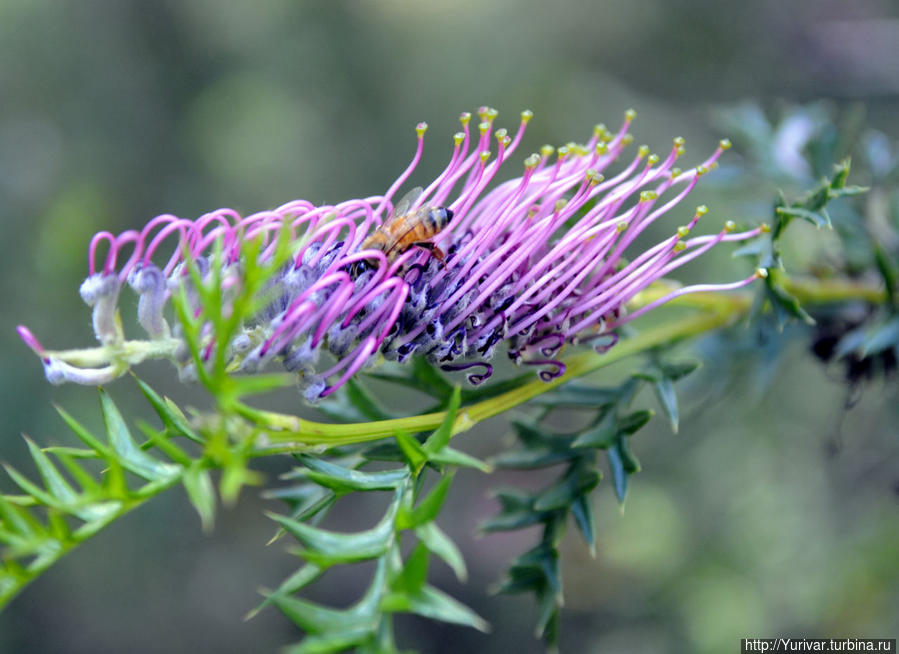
x=535 y=262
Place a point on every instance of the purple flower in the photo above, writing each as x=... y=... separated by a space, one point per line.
x=532 y=263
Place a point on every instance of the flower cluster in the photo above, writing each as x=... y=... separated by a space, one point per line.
x=533 y=263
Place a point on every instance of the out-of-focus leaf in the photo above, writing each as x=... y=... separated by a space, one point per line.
x=363 y=400
x=818 y=218
x=583 y=517
x=634 y=422
x=413 y=451
x=451 y=457
x=333 y=641
x=53 y=480
x=440 y=544
x=324 y=547
x=664 y=389
x=428 y=508
x=317 y=619
x=198 y=484
x=886 y=336
x=437 y=605
x=414 y=574
x=600 y=435
x=130 y=455
x=342 y=479
x=622 y=464
x=562 y=494
x=889 y=274
x=441 y=436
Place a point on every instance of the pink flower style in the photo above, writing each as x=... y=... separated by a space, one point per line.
x=534 y=262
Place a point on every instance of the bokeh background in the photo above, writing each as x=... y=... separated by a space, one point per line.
x=772 y=512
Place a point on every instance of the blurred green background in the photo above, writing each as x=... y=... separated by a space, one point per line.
x=772 y=512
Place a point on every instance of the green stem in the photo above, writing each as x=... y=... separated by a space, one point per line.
x=286 y=433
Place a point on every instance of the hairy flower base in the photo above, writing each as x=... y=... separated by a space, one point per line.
x=534 y=263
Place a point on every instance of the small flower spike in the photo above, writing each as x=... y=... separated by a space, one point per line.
x=455 y=270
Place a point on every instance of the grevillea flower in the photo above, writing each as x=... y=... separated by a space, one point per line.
x=531 y=263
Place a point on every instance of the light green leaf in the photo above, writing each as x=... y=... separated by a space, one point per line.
x=440 y=544
x=198 y=484
x=342 y=479
x=130 y=455
x=325 y=548
x=413 y=450
x=437 y=605
x=53 y=480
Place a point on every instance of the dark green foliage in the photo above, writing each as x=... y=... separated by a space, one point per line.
x=865 y=342
x=577 y=455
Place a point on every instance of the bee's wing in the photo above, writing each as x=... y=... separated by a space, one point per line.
x=401 y=208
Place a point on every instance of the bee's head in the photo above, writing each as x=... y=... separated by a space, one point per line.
x=446 y=216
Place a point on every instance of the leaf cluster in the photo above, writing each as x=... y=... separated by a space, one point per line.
x=400 y=545
x=83 y=489
x=612 y=423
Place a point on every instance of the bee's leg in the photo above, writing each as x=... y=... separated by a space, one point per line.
x=435 y=251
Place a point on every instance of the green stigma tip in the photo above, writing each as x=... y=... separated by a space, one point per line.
x=484 y=156
x=599 y=129
x=547 y=150
x=702 y=210
x=683 y=231
x=464 y=117
x=725 y=144
x=562 y=151
x=761 y=273
x=675 y=172
x=501 y=134
x=526 y=115
x=492 y=113
x=630 y=114
x=458 y=137
x=701 y=170
x=653 y=159
x=642 y=151
x=532 y=161
x=765 y=228
x=627 y=139
x=484 y=127
x=602 y=148
x=561 y=204
x=679 y=141
x=730 y=226
x=421 y=128
x=680 y=245
x=648 y=196
x=621 y=226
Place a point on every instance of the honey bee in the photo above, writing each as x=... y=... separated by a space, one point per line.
x=406 y=229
